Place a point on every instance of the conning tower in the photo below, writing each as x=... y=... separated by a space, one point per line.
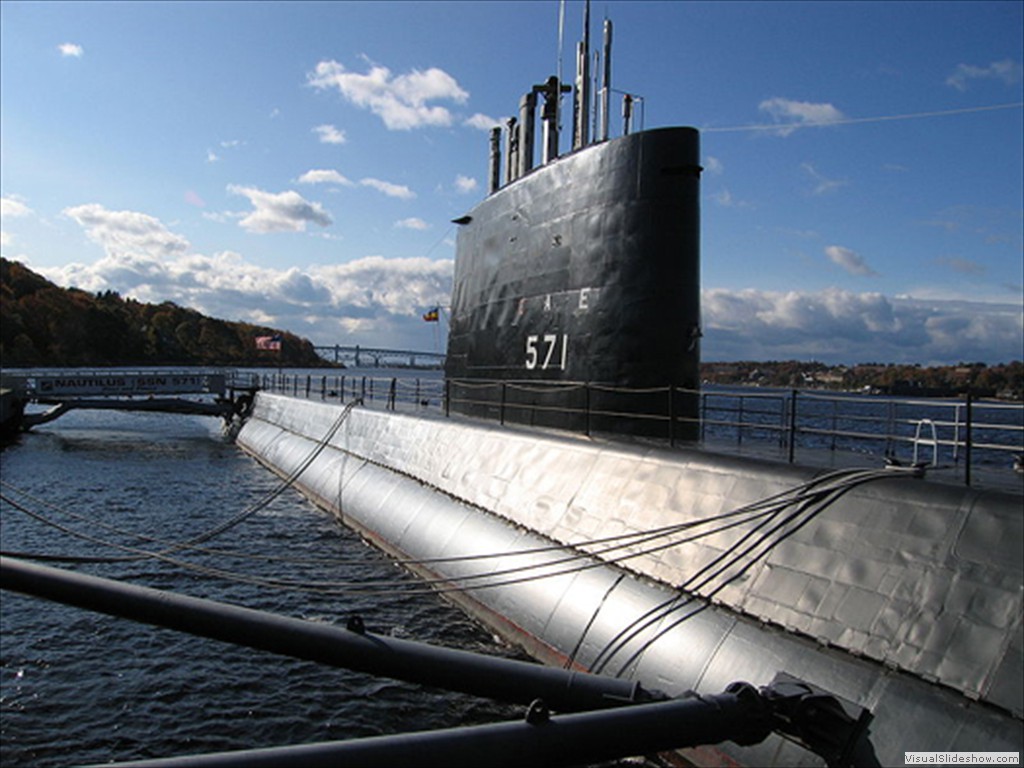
x=576 y=301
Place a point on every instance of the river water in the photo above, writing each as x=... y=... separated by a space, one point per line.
x=79 y=687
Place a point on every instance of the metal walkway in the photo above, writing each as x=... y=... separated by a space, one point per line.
x=124 y=390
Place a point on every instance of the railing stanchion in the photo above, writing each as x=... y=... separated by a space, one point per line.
x=671 y=416
x=703 y=415
x=835 y=423
x=782 y=420
x=586 y=408
x=968 y=424
x=792 y=427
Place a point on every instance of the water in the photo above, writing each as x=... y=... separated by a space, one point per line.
x=78 y=687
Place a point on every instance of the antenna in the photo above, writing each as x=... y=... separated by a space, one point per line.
x=606 y=83
x=581 y=103
x=561 y=35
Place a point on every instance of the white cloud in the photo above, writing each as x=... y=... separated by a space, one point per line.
x=723 y=198
x=380 y=299
x=412 y=223
x=330 y=135
x=71 y=49
x=799 y=114
x=1006 y=70
x=849 y=260
x=211 y=156
x=713 y=166
x=391 y=190
x=836 y=326
x=324 y=176
x=281 y=212
x=399 y=286
x=5 y=239
x=823 y=185
x=465 y=184
x=962 y=266
x=127 y=233
x=13 y=207
x=400 y=101
x=482 y=122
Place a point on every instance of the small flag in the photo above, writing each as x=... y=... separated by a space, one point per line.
x=431 y=316
x=272 y=343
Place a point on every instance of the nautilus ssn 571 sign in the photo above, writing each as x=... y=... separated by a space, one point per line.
x=128 y=384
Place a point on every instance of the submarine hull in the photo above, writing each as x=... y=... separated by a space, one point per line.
x=897 y=594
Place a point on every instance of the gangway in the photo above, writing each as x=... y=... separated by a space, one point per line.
x=123 y=390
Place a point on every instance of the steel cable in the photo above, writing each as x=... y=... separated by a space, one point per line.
x=811 y=505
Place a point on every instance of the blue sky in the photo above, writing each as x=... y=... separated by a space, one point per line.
x=298 y=164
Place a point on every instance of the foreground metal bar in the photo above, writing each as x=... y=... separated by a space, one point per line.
x=740 y=714
x=486 y=676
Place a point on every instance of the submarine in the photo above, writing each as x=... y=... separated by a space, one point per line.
x=576 y=293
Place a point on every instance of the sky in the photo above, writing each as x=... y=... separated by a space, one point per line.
x=298 y=165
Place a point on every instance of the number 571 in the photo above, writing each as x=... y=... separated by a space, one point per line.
x=541 y=351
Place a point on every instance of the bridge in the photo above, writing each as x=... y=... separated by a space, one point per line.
x=371 y=357
x=117 y=390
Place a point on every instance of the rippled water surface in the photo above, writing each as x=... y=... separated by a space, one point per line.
x=79 y=687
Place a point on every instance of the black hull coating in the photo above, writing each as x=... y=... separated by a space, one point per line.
x=587 y=270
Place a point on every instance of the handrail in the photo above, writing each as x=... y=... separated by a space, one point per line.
x=934 y=442
x=963 y=434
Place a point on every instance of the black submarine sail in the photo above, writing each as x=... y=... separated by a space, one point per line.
x=576 y=300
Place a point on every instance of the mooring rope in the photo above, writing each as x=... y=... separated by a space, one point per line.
x=217 y=530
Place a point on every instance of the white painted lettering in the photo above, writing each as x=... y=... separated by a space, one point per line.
x=531 y=352
x=555 y=351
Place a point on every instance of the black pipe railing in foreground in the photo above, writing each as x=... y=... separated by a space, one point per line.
x=833 y=729
x=350 y=648
x=631 y=721
x=738 y=715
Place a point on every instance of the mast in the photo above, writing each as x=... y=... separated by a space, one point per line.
x=581 y=104
x=606 y=82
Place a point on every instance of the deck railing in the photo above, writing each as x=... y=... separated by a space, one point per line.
x=962 y=436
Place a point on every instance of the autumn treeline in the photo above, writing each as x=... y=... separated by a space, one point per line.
x=42 y=324
x=1004 y=380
